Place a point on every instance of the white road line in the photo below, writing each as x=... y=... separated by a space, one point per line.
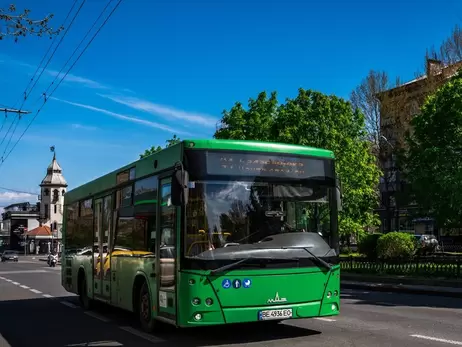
x=450 y=342
x=142 y=335
x=24 y=287
x=48 y=296
x=16 y=283
x=97 y=316
x=68 y=304
x=8 y=280
x=325 y=319
x=2 y=278
x=22 y=272
x=35 y=291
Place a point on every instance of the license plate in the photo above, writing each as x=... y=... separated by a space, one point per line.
x=275 y=314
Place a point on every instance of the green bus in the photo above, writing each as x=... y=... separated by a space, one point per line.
x=209 y=232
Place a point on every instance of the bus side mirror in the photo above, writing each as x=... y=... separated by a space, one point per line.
x=180 y=190
x=338 y=194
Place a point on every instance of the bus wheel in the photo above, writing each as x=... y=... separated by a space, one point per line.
x=85 y=301
x=148 y=324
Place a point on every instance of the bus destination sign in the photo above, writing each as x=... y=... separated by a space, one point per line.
x=256 y=164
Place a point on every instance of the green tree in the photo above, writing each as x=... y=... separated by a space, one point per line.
x=253 y=123
x=315 y=119
x=433 y=163
x=395 y=245
x=173 y=141
x=19 y=24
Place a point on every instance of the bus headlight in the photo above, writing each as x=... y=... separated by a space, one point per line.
x=197 y=316
x=196 y=301
x=335 y=293
x=209 y=301
x=329 y=294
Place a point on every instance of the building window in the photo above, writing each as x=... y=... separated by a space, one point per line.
x=56 y=208
x=47 y=211
x=46 y=191
x=63 y=192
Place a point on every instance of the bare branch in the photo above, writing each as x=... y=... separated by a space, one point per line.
x=18 y=25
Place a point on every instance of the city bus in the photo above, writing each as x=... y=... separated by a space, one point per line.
x=209 y=232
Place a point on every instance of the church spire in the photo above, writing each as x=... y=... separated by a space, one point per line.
x=54 y=176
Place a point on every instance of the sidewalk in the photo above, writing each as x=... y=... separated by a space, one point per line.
x=436 y=287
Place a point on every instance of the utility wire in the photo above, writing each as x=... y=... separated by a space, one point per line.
x=48 y=51
x=78 y=46
x=26 y=95
x=17 y=191
x=67 y=72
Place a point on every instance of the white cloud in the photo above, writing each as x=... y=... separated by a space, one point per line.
x=162 y=110
x=8 y=198
x=125 y=117
x=83 y=127
x=86 y=82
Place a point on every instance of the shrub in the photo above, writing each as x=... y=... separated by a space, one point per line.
x=395 y=245
x=367 y=245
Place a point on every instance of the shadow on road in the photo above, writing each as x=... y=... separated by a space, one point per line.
x=401 y=299
x=34 y=322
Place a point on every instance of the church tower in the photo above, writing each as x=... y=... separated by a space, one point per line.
x=53 y=188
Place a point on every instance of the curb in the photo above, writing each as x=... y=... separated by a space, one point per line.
x=403 y=280
x=380 y=287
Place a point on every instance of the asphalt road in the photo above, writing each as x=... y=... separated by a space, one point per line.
x=35 y=310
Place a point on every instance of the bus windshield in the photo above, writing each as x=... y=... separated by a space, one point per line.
x=233 y=213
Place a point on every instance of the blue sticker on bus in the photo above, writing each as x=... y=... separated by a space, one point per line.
x=237 y=284
x=226 y=283
x=247 y=283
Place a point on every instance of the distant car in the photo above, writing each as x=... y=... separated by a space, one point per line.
x=10 y=255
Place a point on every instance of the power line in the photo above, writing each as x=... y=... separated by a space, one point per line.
x=78 y=46
x=49 y=48
x=26 y=95
x=17 y=191
x=62 y=79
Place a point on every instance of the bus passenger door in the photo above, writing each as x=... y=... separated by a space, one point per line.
x=106 y=236
x=98 y=249
x=166 y=255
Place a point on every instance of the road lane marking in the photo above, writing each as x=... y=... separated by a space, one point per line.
x=48 y=296
x=24 y=287
x=35 y=291
x=142 y=335
x=2 y=278
x=16 y=283
x=8 y=280
x=22 y=272
x=431 y=338
x=325 y=319
x=68 y=304
x=97 y=316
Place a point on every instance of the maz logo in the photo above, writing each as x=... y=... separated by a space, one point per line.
x=276 y=299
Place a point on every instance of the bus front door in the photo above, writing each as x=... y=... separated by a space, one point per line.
x=166 y=259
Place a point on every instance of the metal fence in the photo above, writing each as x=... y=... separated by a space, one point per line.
x=432 y=266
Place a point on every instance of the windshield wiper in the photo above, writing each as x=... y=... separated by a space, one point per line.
x=319 y=260
x=230 y=266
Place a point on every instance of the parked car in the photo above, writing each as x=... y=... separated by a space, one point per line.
x=10 y=256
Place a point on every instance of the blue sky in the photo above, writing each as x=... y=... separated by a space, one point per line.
x=164 y=67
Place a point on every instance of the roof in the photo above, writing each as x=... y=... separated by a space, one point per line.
x=167 y=157
x=260 y=146
x=40 y=231
x=54 y=176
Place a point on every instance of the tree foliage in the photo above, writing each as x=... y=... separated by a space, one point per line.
x=433 y=159
x=170 y=142
x=19 y=24
x=395 y=245
x=318 y=120
x=367 y=245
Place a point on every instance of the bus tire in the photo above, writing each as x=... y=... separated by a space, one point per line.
x=85 y=301
x=144 y=309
